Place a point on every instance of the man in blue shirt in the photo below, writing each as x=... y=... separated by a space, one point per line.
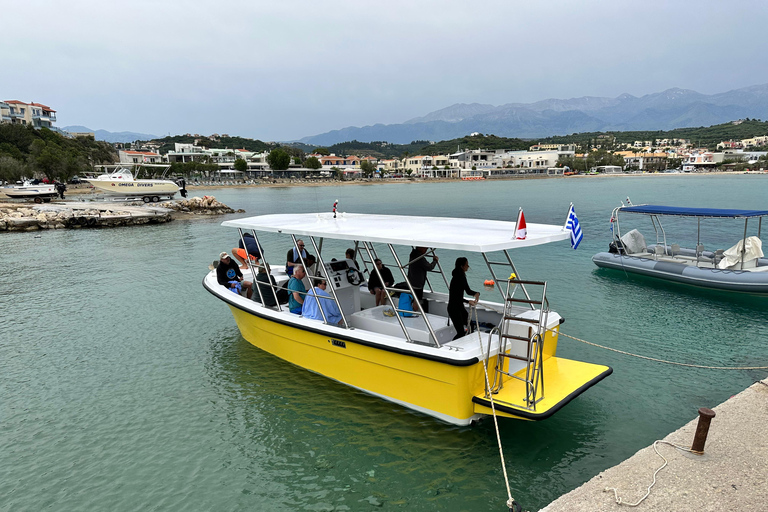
x=296 y=290
x=313 y=303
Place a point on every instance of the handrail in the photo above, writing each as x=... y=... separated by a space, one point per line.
x=415 y=297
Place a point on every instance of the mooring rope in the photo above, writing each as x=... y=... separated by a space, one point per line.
x=661 y=360
x=648 y=492
x=511 y=503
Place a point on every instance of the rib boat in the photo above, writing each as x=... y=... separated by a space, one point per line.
x=410 y=357
x=740 y=268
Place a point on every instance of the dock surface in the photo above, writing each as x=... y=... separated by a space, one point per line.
x=732 y=475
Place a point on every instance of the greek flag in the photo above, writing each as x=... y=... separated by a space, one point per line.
x=572 y=225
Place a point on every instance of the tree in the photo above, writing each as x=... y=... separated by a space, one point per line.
x=279 y=160
x=12 y=169
x=367 y=167
x=312 y=163
x=241 y=165
x=47 y=158
x=322 y=151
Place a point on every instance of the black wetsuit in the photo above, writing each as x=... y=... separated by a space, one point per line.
x=456 y=311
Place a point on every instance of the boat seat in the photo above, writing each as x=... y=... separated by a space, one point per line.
x=700 y=255
x=374 y=320
x=658 y=251
x=674 y=249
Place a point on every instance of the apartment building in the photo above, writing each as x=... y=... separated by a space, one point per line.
x=139 y=157
x=28 y=114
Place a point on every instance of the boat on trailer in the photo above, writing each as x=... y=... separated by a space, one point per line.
x=740 y=268
x=414 y=360
x=38 y=192
x=122 y=182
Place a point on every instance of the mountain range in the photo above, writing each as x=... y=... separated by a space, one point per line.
x=112 y=136
x=673 y=108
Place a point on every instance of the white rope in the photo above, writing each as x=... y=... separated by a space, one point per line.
x=510 y=500
x=648 y=492
x=661 y=360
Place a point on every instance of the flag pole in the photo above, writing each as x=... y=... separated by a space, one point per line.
x=568 y=216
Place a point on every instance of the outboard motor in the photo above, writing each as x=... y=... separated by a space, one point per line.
x=182 y=183
x=617 y=247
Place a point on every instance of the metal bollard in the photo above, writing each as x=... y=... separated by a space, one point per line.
x=702 y=429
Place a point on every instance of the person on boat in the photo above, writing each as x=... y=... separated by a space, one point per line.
x=253 y=250
x=417 y=271
x=296 y=290
x=265 y=280
x=311 y=307
x=349 y=254
x=228 y=271
x=374 y=283
x=292 y=258
x=458 y=286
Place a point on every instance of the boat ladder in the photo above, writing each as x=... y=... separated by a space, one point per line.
x=526 y=346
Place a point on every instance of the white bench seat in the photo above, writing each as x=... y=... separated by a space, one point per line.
x=374 y=320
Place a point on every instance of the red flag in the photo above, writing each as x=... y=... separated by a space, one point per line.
x=522 y=231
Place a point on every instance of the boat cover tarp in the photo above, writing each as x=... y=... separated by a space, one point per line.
x=693 y=212
x=634 y=242
x=732 y=257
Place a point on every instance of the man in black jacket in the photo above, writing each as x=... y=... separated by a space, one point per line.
x=228 y=274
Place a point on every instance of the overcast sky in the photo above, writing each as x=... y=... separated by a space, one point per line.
x=285 y=69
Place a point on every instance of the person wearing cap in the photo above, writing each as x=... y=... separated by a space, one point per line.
x=228 y=271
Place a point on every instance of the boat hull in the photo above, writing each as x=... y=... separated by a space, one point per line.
x=135 y=187
x=430 y=383
x=731 y=280
x=27 y=192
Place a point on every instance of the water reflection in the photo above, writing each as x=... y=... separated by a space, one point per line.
x=296 y=428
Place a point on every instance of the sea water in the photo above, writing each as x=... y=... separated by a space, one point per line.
x=126 y=386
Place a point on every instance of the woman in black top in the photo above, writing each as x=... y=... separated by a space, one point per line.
x=458 y=286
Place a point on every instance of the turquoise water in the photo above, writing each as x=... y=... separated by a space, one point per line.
x=126 y=386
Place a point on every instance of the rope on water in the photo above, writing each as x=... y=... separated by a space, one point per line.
x=648 y=492
x=511 y=503
x=661 y=360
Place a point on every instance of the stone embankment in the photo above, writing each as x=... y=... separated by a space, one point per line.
x=26 y=217
x=206 y=205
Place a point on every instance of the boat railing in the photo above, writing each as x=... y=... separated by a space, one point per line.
x=320 y=278
x=534 y=350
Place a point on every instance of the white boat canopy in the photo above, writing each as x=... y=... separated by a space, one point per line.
x=472 y=235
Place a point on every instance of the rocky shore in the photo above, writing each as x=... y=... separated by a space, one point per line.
x=71 y=215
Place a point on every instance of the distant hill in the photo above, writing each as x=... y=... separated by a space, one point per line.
x=112 y=136
x=667 y=110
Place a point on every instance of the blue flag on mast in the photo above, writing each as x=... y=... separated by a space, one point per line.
x=572 y=225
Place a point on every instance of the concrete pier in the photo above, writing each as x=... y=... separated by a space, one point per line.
x=731 y=475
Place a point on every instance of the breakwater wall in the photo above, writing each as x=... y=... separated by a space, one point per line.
x=71 y=215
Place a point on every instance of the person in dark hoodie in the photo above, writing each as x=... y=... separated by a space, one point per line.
x=458 y=286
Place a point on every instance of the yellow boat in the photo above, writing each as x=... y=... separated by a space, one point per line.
x=414 y=360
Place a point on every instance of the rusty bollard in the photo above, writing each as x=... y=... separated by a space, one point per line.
x=702 y=429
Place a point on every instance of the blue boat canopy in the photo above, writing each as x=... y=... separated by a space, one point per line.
x=693 y=212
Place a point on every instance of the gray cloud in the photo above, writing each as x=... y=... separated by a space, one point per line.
x=283 y=70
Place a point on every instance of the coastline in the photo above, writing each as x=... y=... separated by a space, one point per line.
x=80 y=190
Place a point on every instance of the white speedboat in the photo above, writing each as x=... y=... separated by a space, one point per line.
x=122 y=182
x=411 y=357
x=40 y=192
x=741 y=268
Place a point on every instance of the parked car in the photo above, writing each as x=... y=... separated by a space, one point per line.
x=75 y=180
